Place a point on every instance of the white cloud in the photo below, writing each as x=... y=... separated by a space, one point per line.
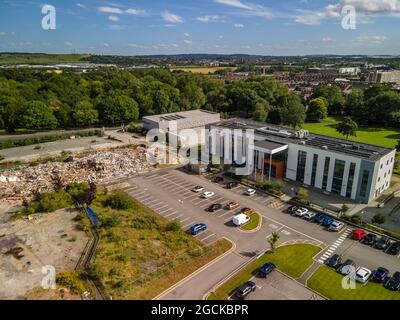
x=186 y=34
x=370 y=39
x=20 y=44
x=364 y=8
x=239 y=25
x=68 y=44
x=113 y=10
x=170 y=17
x=106 y=44
x=80 y=5
x=234 y=3
x=327 y=39
x=209 y=18
x=188 y=41
x=248 y=8
x=135 y=12
x=113 y=18
x=169 y=25
x=220 y=37
x=2 y=33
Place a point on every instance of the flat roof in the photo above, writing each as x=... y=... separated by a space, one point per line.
x=190 y=115
x=266 y=133
x=269 y=145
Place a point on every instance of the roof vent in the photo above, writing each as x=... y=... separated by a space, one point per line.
x=324 y=147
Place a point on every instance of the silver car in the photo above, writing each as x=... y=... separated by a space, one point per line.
x=336 y=225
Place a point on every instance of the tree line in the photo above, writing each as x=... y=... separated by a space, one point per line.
x=38 y=100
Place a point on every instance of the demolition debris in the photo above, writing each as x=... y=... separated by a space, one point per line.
x=99 y=167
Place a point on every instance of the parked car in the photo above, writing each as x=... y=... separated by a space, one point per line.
x=197 y=228
x=370 y=239
x=240 y=219
x=334 y=261
x=245 y=289
x=250 y=192
x=232 y=205
x=394 y=282
x=347 y=267
x=198 y=189
x=208 y=194
x=301 y=212
x=394 y=248
x=217 y=179
x=266 y=269
x=232 y=184
x=363 y=274
x=336 y=225
x=247 y=211
x=327 y=221
x=318 y=218
x=381 y=275
x=358 y=234
x=383 y=243
x=309 y=215
x=214 y=207
x=291 y=209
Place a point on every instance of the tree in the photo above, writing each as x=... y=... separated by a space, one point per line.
x=355 y=106
x=317 y=109
x=293 y=112
x=344 y=209
x=333 y=94
x=261 y=111
x=84 y=114
x=116 y=109
x=379 y=218
x=347 y=127
x=37 y=115
x=273 y=240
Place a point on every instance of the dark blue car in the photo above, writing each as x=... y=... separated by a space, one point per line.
x=197 y=228
x=381 y=275
x=318 y=218
x=327 y=221
x=266 y=269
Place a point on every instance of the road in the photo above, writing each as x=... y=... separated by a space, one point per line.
x=169 y=194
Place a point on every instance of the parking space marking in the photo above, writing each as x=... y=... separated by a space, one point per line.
x=153 y=205
x=165 y=211
x=189 y=224
x=224 y=214
x=151 y=202
x=171 y=214
x=159 y=208
x=186 y=219
x=286 y=232
x=211 y=235
x=273 y=226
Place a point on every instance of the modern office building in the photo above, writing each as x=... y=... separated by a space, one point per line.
x=188 y=124
x=337 y=166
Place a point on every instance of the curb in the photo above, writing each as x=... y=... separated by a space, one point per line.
x=256 y=228
x=179 y=283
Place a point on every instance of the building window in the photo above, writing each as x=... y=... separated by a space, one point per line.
x=350 y=180
x=364 y=183
x=301 y=166
x=387 y=162
x=326 y=172
x=314 y=169
x=338 y=177
x=381 y=165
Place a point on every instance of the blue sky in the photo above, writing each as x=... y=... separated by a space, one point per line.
x=130 y=27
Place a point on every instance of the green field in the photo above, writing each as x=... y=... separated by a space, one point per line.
x=385 y=137
x=292 y=260
x=33 y=58
x=200 y=70
x=329 y=283
x=253 y=223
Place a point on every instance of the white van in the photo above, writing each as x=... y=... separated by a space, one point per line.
x=240 y=219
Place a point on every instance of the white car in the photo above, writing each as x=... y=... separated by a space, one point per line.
x=336 y=225
x=301 y=212
x=240 y=219
x=207 y=194
x=363 y=274
x=309 y=215
x=250 y=192
x=198 y=189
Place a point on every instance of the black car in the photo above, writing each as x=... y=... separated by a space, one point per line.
x=232 y=184
x=245 y=289
x=370 y=239
x=214 y=207
x=292 y=209
x=382 y=243
x=334 y=261
x=394 y=282
x=394 y=248
x=217 y=179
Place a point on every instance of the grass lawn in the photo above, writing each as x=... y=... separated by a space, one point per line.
x=292 y=260
x=141 y=254
x=39 y=58
x=201 y=70
x=329 y=283
x=253 y=223
x=385 y=137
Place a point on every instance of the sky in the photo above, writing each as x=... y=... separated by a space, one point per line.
x=139 y=27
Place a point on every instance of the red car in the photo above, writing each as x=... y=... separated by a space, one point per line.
x=358 y=234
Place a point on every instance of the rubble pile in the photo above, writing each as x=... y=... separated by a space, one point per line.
x=99 y=167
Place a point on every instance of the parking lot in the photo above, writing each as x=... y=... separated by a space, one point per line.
x=169 y=193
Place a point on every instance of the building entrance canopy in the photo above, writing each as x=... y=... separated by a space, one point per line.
x=269 y=147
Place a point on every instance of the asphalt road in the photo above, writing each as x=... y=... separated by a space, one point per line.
x=169 y=193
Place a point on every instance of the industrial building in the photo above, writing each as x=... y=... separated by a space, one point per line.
x=189 y=125
x=357 y=171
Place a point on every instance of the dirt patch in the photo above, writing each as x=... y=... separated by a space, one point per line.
x=28 y=245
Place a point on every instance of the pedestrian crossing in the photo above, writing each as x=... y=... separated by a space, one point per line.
x=329 y=252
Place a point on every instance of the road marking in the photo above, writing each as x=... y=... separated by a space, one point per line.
x=171 y=214
x=186 y=219
x=273 y=226
x=286 y=232
x=165 y=211
x=159 y=208
x=208 y=237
